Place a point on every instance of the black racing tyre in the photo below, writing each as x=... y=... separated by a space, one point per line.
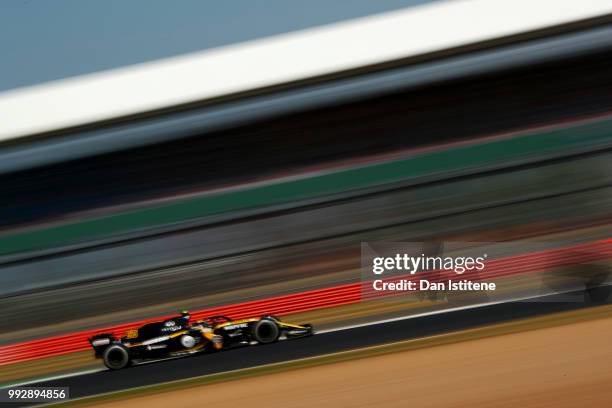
x=266 y=331
x=116 y=357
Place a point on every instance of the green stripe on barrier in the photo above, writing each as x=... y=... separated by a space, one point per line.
x=438 y=163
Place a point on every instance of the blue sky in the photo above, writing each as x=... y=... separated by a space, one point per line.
x=46 y=40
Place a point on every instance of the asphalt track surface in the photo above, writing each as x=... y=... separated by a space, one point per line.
x=329 y=342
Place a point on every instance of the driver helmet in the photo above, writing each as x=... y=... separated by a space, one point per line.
x=185 y=314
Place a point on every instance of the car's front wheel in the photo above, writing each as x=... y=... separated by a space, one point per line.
x=116 y=357
x=266 y=331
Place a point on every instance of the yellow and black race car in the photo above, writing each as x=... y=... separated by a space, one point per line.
x=176 y=337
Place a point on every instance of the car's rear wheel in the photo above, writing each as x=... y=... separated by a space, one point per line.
x=266 y=331
x=116 y=357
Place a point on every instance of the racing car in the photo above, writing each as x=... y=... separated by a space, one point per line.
x=176 y=337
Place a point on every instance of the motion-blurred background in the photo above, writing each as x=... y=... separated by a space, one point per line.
x=208 y=176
